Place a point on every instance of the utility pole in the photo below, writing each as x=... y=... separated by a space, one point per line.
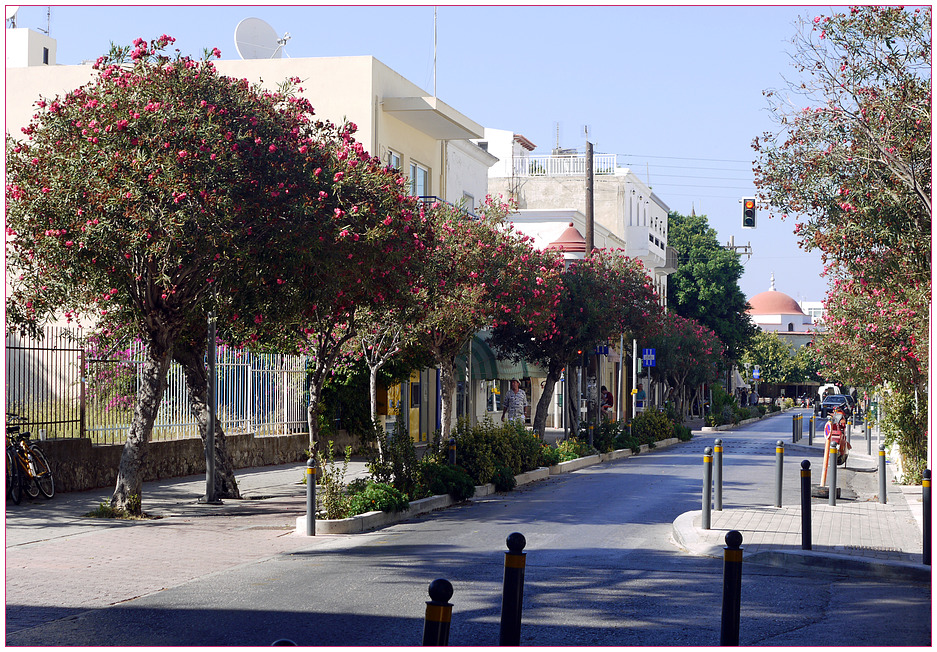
x=590 y=202
x=742 y=250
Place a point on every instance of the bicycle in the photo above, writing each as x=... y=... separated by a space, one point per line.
x=26 y=467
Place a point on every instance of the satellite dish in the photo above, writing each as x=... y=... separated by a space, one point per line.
x=256 y=39
x=11 y=14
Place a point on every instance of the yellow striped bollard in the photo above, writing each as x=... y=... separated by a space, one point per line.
x=438 y=614
x=515 y=561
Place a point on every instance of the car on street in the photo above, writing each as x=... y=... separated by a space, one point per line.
x=835 y=402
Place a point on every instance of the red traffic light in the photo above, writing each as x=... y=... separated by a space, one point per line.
x=749 y=204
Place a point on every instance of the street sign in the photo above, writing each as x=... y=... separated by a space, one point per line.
x=649 y=357
x=756 y=374
x=601 y=350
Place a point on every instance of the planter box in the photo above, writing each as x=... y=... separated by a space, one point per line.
x=574 y=465
x=373 y=520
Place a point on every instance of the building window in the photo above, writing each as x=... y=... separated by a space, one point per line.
x=393 y=159
x=790 y=328
x=45 y=56
x=419 y=180
x=468 y=203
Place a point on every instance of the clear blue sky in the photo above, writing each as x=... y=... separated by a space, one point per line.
x=676 y=92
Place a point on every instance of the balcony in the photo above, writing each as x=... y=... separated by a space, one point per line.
x=563 y=165
x=428 y=200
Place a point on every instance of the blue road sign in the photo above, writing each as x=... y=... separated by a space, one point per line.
x=649 y=357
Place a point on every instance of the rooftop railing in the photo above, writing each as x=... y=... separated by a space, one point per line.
x=563 y=165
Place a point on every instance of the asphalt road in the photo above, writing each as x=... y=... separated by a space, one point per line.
x=601 y=570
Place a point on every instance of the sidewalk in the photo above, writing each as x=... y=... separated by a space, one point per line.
x=857 y=536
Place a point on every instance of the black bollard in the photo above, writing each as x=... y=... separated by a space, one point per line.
x=731 y=589
x=806 y=534
x=834 y=453
x=925 y=497
x=882 y=489
x=591 y=435
x=311 y=497
x=707 y=487
x=282 y=641
x=452 y=451
x=438 y=614
x=812 y=430
x=512 y=597
x=717 y=476
x=778 y=472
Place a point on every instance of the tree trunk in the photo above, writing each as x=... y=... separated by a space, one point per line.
x=128 y=494
x=372 y=385
x=448 y=381
x=191 y=356
x=554 y=371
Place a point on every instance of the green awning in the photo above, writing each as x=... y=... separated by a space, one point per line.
x=485 y=366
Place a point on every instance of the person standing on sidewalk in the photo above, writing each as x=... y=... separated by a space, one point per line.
x=514 y=403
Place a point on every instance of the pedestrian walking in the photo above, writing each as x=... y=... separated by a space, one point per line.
x=514 y=403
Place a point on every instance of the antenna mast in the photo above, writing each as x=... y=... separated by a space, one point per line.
x=434 y=51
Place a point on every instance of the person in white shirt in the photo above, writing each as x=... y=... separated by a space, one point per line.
x=514 y=403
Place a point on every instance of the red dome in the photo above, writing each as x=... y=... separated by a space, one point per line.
x=570 y=240
x=773 y=302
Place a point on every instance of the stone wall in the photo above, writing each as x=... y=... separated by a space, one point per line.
x=78 y=466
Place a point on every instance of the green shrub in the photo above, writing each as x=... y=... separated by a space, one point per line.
x=399 y=464
x=482 y=448
x=331 y=476
x=438 y=479
x=504 y=479
x=681 y=432
x=650 y=426
x=550 y=455
x=573 y=448
x=377 y=496
x=603 y=439
x=626 y=439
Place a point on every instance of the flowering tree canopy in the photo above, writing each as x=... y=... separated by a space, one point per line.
x=852 y=161
x=705 y=286
x=478 y=273
x=601 y=296
x=688 y=355
x=150 y=196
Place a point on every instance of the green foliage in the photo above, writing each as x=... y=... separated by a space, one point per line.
x=504 y=479
x=681 y=432
x=332 y=478
x=550 y=455
x=904 y=422
x=574 y=448
x=705 y=286
x=651 y=426
x=438 y=479
x=377 y=496
x=399 y=465
x=483 y=448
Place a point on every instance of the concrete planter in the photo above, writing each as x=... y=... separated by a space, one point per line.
x=373 y=520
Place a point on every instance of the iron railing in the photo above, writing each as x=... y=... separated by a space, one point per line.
x=563 y=165
x=62 y=385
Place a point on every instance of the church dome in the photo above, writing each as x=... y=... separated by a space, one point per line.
x=773 y=302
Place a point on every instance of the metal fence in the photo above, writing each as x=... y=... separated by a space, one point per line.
x=65 y=386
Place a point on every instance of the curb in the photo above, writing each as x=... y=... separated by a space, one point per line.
x=686 y=536
x=373 y=520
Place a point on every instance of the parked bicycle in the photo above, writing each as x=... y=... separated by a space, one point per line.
x=26 y=467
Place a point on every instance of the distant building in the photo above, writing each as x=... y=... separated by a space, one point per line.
x=775 y=312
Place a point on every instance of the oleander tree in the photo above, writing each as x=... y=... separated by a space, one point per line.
x=153 y=195
x=601 y=297
x=689 y=355
x=479 y=273
x=850 y=160
x=359 y=257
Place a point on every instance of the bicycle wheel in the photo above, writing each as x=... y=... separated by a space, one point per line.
x=42 y=473
x=16 y=482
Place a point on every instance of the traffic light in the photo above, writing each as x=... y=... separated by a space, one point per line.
x=748 y=213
